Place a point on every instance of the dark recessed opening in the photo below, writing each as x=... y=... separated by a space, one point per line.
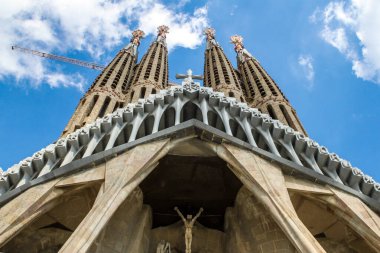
x=190 y=183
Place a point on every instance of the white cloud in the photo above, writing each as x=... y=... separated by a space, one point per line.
x=185 y=30
x=306 y=63
x=91 y=26
x=57 y=79
x=353 y=28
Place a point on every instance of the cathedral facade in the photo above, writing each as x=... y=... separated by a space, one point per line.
x=145 y=165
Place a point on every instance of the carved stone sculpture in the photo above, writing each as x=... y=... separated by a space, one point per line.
x=210 y=36
x=163 y=247
x=162 y=30
x=243 y=53
x=188 y=226
x=137 y=35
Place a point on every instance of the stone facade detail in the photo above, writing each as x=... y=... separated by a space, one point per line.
x=218 y=71
x=152 y=72
x=103 y=208
x=107 y=93
x=174 y=106
x=252 y=229
x=261 y=91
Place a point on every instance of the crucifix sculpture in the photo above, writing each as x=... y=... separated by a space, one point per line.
x=188 y=78
x=188 y=224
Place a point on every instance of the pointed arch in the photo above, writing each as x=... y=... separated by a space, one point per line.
x=167 y=119
x=190 y=111
x=215 y=120
x=237 y=130
x=146 y=127
x=142 y=92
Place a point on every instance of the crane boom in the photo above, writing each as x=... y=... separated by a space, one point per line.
x=59 y=58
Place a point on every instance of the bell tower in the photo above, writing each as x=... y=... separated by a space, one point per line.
x=218 y=71
x=261 y=90
x=107 y=93
x=152 y=72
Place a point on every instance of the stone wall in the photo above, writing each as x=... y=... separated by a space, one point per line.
x=250 y=228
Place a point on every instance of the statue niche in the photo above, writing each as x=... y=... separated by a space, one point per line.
x=190 y=183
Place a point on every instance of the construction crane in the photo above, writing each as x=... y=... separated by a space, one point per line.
x=59 y=58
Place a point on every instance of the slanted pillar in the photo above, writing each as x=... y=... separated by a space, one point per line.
x=267 y=184
x=126 y=172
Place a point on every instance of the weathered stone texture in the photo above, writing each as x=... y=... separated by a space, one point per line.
x=128 y=229
x=250 y=228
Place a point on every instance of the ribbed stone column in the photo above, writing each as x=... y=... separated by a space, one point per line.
x=218 y=71
x=107 y=93
x=152 y=72
x=260 y=89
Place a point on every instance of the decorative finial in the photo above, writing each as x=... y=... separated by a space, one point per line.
x=162 y=30
x=210 y=33
x=242 y=53
x=136 y=36
x=237 y=40
x=210 y=37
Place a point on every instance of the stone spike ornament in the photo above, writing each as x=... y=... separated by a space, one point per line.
x=117 y=178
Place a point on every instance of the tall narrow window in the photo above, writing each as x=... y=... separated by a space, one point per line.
x=142 y=92
x=116 y=106
x=153 y=91
x=92 y=104
x=271 y=112
x=231 y=94
x=104 y=107
x=287 y=117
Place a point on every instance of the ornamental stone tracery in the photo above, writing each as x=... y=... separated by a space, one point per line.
x=213 y=109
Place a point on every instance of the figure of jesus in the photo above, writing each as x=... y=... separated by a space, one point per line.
x=188 y=226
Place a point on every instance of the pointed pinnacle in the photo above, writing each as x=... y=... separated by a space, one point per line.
x=162 y=30
x=210 y=33
x=237 y=40
x=137 y=35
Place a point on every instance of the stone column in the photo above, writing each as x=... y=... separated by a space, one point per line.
x=267 y=184
x=123 y=174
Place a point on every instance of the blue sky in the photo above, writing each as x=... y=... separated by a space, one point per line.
x=324 y=55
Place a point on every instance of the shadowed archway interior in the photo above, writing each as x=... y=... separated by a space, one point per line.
x=190 y=183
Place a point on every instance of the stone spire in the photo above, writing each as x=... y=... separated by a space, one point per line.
x=260 y=89
x=152 y=72
x=107 y=93
x=218 y=71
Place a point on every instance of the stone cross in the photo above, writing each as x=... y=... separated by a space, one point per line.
x=188 y=78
